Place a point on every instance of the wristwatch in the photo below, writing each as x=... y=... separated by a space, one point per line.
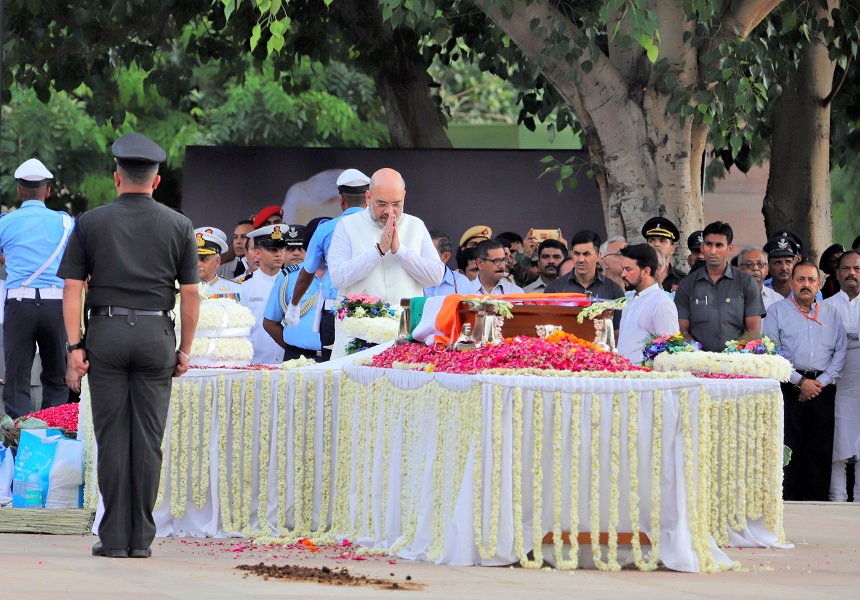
x=72 y=347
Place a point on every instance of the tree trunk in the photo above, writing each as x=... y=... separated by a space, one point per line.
x=798 y=186
x=391 y=56
x=643 y=158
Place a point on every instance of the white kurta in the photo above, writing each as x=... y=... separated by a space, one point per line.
x=846 y=437
x=255 y=296
x=647 y=313
x=768 y=296
x=355 y=266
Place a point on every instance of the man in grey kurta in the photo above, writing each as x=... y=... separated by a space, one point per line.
x=718 y=303
x=133 y=250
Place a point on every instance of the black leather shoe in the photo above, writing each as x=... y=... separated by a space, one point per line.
x=100 y=550
x=139 y=552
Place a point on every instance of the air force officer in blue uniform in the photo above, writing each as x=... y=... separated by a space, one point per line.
x=33 y=239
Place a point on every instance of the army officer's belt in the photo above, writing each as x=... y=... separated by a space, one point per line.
x=119 y=311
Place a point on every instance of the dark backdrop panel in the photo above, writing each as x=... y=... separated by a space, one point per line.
x=450 y=190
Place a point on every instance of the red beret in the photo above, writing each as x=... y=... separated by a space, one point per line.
x=264 y=214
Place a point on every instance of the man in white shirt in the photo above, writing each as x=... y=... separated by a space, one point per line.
x=269 y=248
x=610 y=258
x=382 y=251
x=754 y=262
x=211 y=244
x=490 y=260
x=650 y=311
x=551 y=253
x=846 y=437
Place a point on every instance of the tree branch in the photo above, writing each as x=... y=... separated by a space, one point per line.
x=826 y=102
x=604 y=80
x=747 y=15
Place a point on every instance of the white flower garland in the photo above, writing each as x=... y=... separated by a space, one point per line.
x=265 y=440
x=341 y=519
x=175 y=450
x=698 y=522
x=595 y=484
x=749 y=365
x=374 y=330
x=247 y=453
x=91 y=485
x=299 y=431
x=496 y=436
x=656 y=452
x=203 y=482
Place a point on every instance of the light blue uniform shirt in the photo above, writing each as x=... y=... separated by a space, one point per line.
x=318 y=248
x=452 y=283
x=302 y=335
x=28 y=237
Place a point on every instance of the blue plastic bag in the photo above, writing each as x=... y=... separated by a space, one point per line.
x=58 y=463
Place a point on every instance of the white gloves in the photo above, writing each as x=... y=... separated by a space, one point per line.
x=292 y=316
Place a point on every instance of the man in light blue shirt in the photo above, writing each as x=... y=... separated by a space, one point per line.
x=32 y=239
x=814 y=341
x=452 y=282
x=352 y=184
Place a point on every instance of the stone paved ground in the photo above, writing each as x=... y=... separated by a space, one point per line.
x=825 y=563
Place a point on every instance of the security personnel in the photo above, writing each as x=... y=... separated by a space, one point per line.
x=133 y=250
x=694 y=243
x=269 y=247
x=294 y=237
x=33 y=239
x=211 y=244
x=302 y=339
x=661 y=233
x=352 y=185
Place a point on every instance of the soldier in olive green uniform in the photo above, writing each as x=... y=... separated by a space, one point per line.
x=132 y=250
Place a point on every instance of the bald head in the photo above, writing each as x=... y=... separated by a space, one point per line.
x=386 y=195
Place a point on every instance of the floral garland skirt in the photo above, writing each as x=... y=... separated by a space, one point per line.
x=475 y=469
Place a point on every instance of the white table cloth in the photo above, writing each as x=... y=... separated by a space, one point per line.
x=389 y=459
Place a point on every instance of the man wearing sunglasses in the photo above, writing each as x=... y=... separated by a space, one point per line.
x=490 y=260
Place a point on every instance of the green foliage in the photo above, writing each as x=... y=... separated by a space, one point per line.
x=845 y=194
x=64 y=137
x=469 y=95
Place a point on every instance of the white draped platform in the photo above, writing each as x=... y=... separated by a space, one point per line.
x=468 y=470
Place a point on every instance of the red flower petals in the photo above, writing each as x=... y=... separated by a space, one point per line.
x=562 y=353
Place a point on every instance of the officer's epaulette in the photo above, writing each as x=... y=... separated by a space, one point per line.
x=291 y=268
x=245 y=278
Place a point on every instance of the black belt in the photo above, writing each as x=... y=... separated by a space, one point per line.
x=302 y=351
x=809 y=373
x=119 y=311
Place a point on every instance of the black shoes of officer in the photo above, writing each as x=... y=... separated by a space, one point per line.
x=100 y=550
x=139 y=552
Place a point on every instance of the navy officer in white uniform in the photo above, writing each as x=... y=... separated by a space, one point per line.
x=269 y=248
x=211 y=244
x=32 y=239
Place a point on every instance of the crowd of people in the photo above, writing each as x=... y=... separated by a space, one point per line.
x=125 y=259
